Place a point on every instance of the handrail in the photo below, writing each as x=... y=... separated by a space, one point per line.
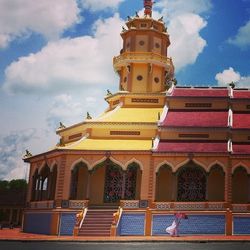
x=83 y=217
x=79 y=220
x=116 y=220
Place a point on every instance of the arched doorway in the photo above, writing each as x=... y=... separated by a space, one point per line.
x=165 y=181
x=216 y=184
x=79 y=182
x=114 y=184
x=240 y=186
x=191 y=183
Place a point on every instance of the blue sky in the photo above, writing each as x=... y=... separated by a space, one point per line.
x=56 y=60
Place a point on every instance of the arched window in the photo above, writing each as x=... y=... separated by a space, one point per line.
x=44 y=183
x=165 y=182
x=191 y=183
x=79 y=180
x=216 y=184
x=240 y=186
x=132 y=182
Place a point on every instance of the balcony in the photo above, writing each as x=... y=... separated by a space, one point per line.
x=142 y=57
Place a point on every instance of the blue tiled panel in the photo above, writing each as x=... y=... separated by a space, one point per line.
x=39 y=223
x=68 y=221
x=195 y=224
x=132 y=224
x=241 y=225
x=160 y=222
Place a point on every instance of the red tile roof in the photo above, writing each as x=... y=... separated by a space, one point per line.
x=193 y=147
x=241 y=94
x=196 y=119
x=199 y=92
x=241 y=148
x=241 y=120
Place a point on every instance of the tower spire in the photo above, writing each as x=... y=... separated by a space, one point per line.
x=148 y=4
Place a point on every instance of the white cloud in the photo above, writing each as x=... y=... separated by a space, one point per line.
x=97 y=5
x=178 y=7
x=184 y=23
x=230 y=75
x=12 y=148
x=64 y=109
x=68 y=62
x=186 y=42
x=242 y=38
x=46 y=17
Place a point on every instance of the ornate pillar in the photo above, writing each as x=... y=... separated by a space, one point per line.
x=228 y=184
x=88 y=185
x=123 y=184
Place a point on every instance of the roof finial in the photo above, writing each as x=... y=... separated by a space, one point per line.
x=148 y=4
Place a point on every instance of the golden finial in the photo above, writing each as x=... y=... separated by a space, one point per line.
x=148 y=4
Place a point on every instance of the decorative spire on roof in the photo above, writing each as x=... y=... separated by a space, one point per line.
x=148 y=4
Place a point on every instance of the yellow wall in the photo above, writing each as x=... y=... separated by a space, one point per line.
x=82 y=184
x=139 y=70
x=138 y=46
x=156 y=42
x=157 y=73
x=164 y=185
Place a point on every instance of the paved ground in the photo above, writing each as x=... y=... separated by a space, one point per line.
x=17 y=235
x=5 y=245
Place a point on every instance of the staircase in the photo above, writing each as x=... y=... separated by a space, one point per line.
x=97 y=222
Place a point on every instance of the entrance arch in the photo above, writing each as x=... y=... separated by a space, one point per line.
x=79 y=182
x=191 y=183
x=165 y=184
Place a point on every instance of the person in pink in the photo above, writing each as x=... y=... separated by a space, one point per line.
x=173 y=229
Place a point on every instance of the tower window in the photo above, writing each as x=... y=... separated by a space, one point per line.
x=157 y=45
x=141 y=43
x=125 y=79
x=144 y=25
x=139 y=78
x=156 y=79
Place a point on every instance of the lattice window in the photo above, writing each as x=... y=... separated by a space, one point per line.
x=130 y=183
x=191 y=184
x=113 y=183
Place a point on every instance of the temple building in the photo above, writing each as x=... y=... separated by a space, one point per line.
x=157 y=149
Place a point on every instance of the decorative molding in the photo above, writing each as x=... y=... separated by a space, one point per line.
x=240 y=164
x=205 y=136
x=144 y=100
x=136 y=161
x=78 y=161
x=124 y=132
x=71 y=137
x=198 y=105
x=162 y=164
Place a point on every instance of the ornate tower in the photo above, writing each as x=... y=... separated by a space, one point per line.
x=143 y=65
